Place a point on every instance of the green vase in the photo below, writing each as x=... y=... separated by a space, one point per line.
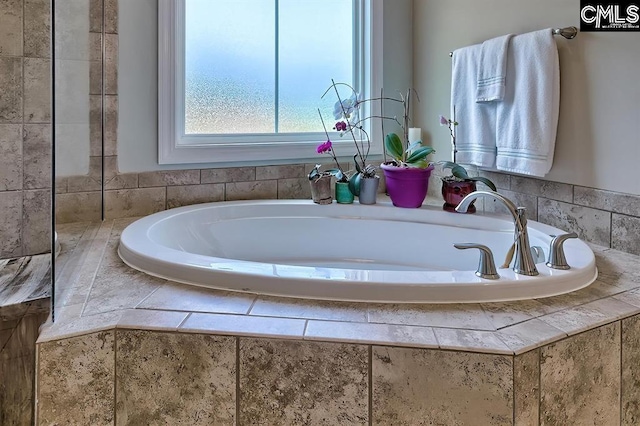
x=343 y=193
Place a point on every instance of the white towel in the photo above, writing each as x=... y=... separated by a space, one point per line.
x=476 y=133
x=492 y=69
x=527 y=118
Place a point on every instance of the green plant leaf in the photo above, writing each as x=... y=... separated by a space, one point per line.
x=420 y=164
x=354 y=184
x=447 y=164
x=460 y=172
x=485 y=181
x=419 y=154
x=393 y=145
x=413 y=146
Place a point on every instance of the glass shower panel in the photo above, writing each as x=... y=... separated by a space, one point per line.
x=78 y=92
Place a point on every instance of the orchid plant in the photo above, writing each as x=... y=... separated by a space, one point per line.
x=457 y=171
x=348 y=120
x=403 y=153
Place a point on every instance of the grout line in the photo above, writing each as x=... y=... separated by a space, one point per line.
x=514 y=389
x=370 y=383
x=238 y=391
x=539 y=350
x=621 y=389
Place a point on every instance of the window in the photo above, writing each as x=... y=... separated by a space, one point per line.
x=241 y=80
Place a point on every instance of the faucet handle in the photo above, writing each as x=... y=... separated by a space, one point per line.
x=486 y=265
x=557 y=260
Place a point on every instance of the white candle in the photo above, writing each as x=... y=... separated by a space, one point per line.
x=415 y=134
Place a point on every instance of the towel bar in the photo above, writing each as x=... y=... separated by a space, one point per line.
x=566 y=32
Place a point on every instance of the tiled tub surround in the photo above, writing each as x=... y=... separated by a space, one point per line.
x=606 y=218
x=25 y=127
x=570 y=359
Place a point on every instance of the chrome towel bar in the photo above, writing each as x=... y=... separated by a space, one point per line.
x=566 y=32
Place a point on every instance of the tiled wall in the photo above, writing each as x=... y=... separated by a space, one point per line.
x=25 y=127
x=588 y=378
x=607 y=218
x=602 y=217
x=19 y=326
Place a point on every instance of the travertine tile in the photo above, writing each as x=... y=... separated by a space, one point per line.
x=10 y=224
x=580 y=379
x=37 y=28
x=37 y=156
x=529 y=202
x=309 y=309
x=11 y=84
x=111 y=64
x=542 y=188
x=588 y=316
x=257 y=190
x=291 y=382
x=169 y=178
x=186 y=195
x=173 y=378
x=69 y=323
x=503 y=314
x=590 y=224
x=469 y=315
x=111 y=16
x=111 y=125
x=617 y=202
x=16 y=389
x=144 y=319
x=242 y=325
x=37 y=90
x=95 y=15
x=179 y=297
x=427 y=387
x=630 y=386
x=11 y=28
x=78 y=207
x=234 y=174
x=625 y=233
x=353 y=332
x=115 y=180
x=61 y=185
x=134 y=202
x=95 y=125
x=280 y=172
x=526 y=387
x=529 y=335
x=95 y=77
x=116 y=285
x=471 y=341
x=86 y=183
x=36 y=221
x=76 y=380
x=294 y=188
x=500 y=180
x=10 y=156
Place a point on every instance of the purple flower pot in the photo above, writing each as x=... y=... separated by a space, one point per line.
x=407 y=186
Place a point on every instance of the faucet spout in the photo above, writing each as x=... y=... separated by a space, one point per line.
x=524 y=263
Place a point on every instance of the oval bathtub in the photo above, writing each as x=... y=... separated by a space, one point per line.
x=377 y=253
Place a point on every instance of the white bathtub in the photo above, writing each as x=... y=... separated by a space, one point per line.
x=376 y=253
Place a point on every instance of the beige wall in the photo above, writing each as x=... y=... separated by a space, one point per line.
x=598 y=142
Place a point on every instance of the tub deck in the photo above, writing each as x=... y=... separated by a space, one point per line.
x=99 y=292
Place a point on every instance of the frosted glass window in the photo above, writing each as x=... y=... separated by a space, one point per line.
x=316 y=45
x=261 y=66
x=229 y=66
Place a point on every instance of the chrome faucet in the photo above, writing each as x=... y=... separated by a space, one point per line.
x=524 y=263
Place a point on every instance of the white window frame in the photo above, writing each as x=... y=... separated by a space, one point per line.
x=176 y=147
